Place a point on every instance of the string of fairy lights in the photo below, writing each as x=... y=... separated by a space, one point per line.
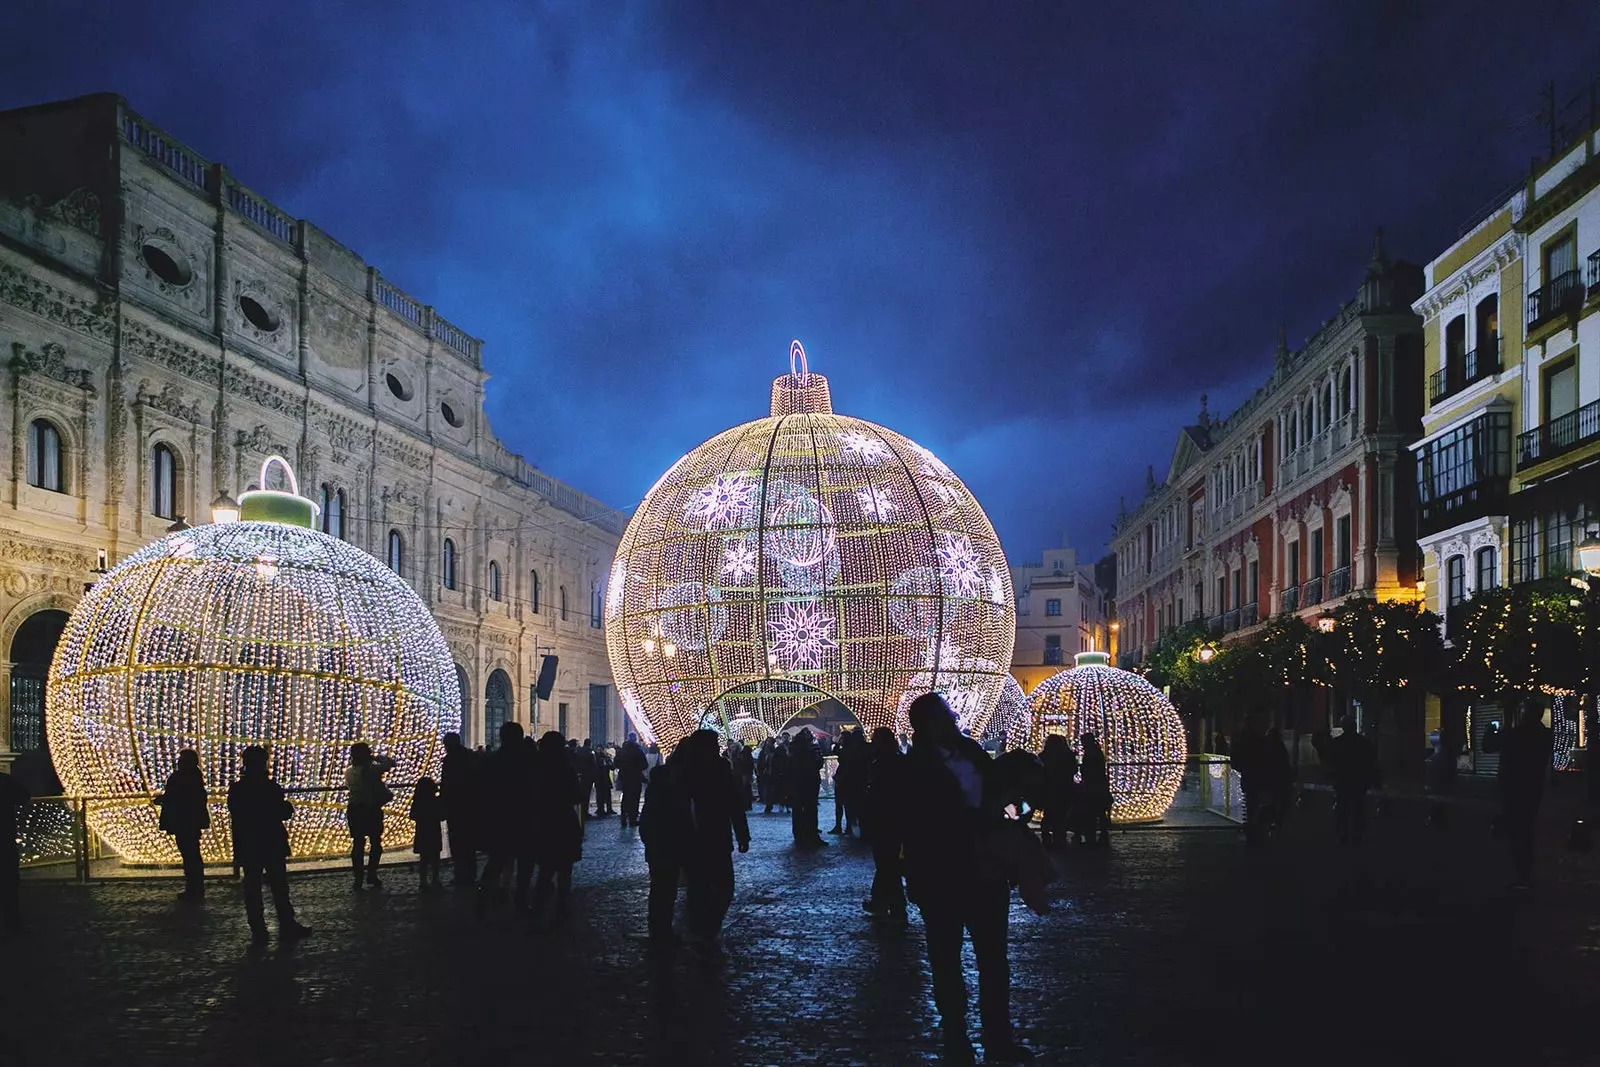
x=806 y=556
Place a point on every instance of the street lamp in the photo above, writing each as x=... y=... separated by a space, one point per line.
x=224 y=509
x=1327 y=622
x=1205 y=653
x=1589 y=553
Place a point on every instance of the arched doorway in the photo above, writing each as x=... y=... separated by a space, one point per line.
x=463 y=691
x=496 y=707
x=31 y=651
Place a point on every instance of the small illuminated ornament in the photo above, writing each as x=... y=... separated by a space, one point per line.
x=808 y=555
x=1136 y=725
x=254 y=631
x=1010 y=722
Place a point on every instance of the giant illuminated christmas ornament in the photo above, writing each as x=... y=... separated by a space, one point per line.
x=261 y=631
x=1136 y=725
x=1011 y=722
x=803 y=556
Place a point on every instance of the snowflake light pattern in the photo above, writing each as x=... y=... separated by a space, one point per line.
x=862 y=444
x=738 y=561
x=724 y=502
x=875 y=502
x=960 y=565
x=802 y=556
x=801 y=635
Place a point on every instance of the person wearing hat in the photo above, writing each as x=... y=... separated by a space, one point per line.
x=953 y=815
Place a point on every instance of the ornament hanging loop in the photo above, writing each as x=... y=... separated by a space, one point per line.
x=288 y=473
x=798 y=369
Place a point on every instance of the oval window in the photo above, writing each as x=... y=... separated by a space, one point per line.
x=450 y=415
x=257 y=314
x=400 y=390
x=165 y=267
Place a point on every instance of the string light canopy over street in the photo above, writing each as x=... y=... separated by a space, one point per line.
x=256 y=631
x=803 y=556
x=1136 y=725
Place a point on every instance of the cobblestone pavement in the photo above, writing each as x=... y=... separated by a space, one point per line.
x=1168 y=948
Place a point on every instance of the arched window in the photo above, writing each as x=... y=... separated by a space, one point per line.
x=562 y=602
x=44 y=457
x=1488 y=573
x=1308 y=425
x=494 y=580
x=596 y=600
x=447 y=569
x=332 y=511
x=533 y=591
x=1347 y=391
x=397 y=552
x=1327 y=404
x=1455 y=580
x=463 y=694
x=496 y=707
x=163 y=482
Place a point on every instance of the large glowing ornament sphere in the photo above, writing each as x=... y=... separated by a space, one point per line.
x=802 y=556
x=1011 y=722
x=254 y=632
x=1135 y=723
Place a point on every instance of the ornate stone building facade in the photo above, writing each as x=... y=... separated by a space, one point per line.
x=1302 y=497
x=166 y=328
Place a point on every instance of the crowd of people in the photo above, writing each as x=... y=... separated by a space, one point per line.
x=947 y=824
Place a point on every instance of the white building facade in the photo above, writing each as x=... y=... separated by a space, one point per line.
x=1060 y=610
x=166 y=329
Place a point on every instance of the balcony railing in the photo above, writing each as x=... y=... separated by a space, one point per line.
x=1559 y=435
x=1230 y=621
x=1482 y=362
x=1559 y=296
x=1054 y=656
x=1248 y=615
x=1486 y=497
x=1214 y=626
x=1291 y=599
x=1338 y=582
x=1311 y=593
x=1594 y=273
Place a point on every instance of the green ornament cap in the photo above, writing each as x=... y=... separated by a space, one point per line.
x=1089 y=659
x=274 y=505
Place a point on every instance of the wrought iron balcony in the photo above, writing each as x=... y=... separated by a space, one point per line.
x=1594 y=274
x=1559 y=435
x=1291 y=599
x=1230 y=621
x=1469 y=369
x=1338 y=582
x=1561 y=295
x=1311 y=593
x=1248 y=615
x=1214 y=625
x=1054 y=656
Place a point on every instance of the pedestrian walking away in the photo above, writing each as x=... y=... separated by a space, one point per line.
x=185 y=814
x=509 y=829
x=664 y=827
x=557 y=832
x=461 y=796
x=803 y=774
x=367 y=794
x=13 y=795
x=884 y=815
x=716 y=821
x=632 y=765
x=951 y=813
x=1352 y=763
x=257 y=810
x=1525 y=753
x=427 y=841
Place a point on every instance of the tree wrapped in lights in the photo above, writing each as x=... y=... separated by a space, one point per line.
x=1517 y=642
x=804 y=555
x=254 y=632
x=1137 y=726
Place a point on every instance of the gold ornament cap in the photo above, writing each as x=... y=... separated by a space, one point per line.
x=800 y=392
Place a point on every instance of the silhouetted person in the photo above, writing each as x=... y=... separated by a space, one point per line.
x=185 y=815
x=1525 y=752
x=716 y=819
x=508 y=795
x=557 y=833
x=744 y=769
x=258 y=809
x=632 y=765
x=13 y=795
x=363 y=812
x=1092 y=802
x=461 y=795
x=763 y=762
x=665 y=828
x=585 y=768
x=1280 y=774
x=780 y=776
x=803 y=773
x=883 y=822
x=427 y=842
x=951 y=819
x=1248 y=760
x=602 y=783
x=1060 y=785
x=849 y=782
x=1352 y=763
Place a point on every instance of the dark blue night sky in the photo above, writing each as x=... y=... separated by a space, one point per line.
x=1029 y=235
